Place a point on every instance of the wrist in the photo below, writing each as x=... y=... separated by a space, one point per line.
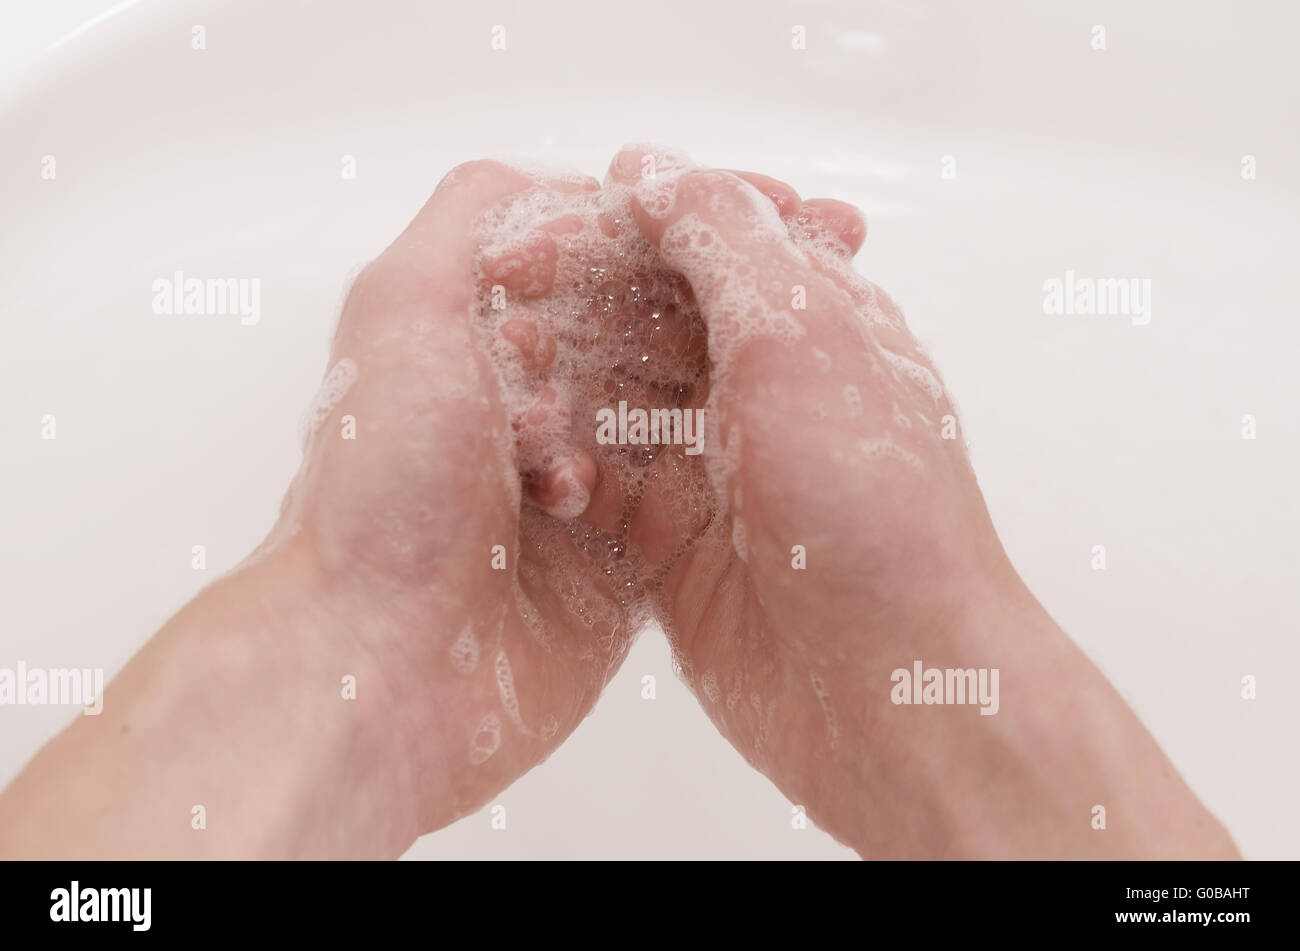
x=226 y=736
x=281 y=713
x=338 y=747
x=1026 y=781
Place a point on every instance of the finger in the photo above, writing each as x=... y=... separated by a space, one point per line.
x=440 y=241
x=563 y=490
x=568 y=183
x=639 y=163
x=718 y=231
x=425 y=276
x=782 y=195
x=524 y=267
x=542 y=431
x=536 y=349
x=759 y=295
x=837 y=219
x=559 y=476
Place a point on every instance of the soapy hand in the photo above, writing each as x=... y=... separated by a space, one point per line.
x=490 y=650
x=827 y=520
x=831 y=535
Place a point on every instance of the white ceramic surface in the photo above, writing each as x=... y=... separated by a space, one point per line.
x=175 y=431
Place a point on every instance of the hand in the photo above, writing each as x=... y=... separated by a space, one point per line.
x=849 y=540
x=396 y=562
x=488 y=651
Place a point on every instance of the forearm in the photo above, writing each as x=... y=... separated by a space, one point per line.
x=227 y=735
x=1063 y=769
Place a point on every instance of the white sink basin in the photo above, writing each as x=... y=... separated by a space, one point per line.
x=1085 y=430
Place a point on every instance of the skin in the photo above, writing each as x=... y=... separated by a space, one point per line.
x=382 y=560
x=903 y=563
x=382 y=557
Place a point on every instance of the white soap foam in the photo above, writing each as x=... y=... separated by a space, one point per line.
x=618 y=319
x=465 y=652
x=885 y=448
x=506 y=691
x=824 y=701
x=619 y=324
x=486 y=739
x=333 y=388
x=852 y=399
x=914 y=372
x=709 y=684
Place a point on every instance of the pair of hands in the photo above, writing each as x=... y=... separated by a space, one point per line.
x=831 y=532
x=837 y=447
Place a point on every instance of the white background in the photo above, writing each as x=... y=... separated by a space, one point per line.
x=1085 y=431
